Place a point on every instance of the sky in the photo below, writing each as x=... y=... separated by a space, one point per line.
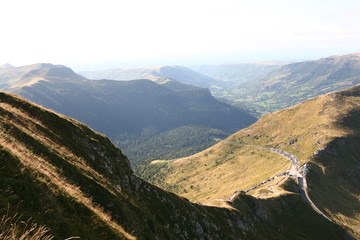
x=100 y=34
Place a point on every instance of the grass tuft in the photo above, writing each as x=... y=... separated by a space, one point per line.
x=12 y=227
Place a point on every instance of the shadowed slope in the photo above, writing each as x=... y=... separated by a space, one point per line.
x=134 y=114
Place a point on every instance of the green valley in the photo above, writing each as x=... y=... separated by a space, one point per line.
x=268 y=87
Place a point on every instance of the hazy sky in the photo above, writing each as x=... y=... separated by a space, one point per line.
x=117 y=33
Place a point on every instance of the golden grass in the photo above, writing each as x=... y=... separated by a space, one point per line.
x=218 y=172
x=13 y=228
x=47 y=172
x=312 y=124
x=300 y=130
x=160 y=161
x=32 y=129
x=270 y=189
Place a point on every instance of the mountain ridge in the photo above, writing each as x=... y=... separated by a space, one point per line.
x=296 y=82
x=129 y=112
x=17 y=77
x=182 y=74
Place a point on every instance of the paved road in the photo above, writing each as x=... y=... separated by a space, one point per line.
x=296 y=171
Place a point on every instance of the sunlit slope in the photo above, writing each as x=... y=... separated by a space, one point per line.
x=71 y=179
x=323 y=131
x=216 y=173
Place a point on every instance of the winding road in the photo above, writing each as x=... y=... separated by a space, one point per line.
x=299 y=173
x=295 y=171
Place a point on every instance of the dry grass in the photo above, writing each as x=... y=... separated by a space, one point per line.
x=34 y=128
x=46 y=171
x=312 y=125
x=13 y=228
x=218 y=172
x=270 y=189
x=300 y=130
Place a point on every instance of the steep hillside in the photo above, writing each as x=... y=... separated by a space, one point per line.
x=297 y=82
x=323 y=132
x=76 y=183
x=179 y=73
x=131 y=113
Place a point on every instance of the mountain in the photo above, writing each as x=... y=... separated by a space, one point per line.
x=179 y=73
x=175 y=85
x=131 y=113
x=238 y=72
x=297 y=82
x=293 y=83
x=75 y=183
x=320 y=137
x=6 y=65
x=26 y=76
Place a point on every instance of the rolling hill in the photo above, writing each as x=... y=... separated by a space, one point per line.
x=323 y=133
x=286 y=85
x=238 y=72
x=182 y=74
x=140 y=116
x=75 y=183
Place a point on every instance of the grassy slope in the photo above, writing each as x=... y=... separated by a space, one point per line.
x=317 y=126
x=75 y=182
x=218 y=172
x=306 y=130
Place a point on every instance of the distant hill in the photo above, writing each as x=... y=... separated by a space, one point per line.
x=297 y=82
x=238 y=72
x=179 y=73
x=129 y=112
x=290 y=84
x=6 y=65
x=175 y=85
x=323 y=133
x=73 y=181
